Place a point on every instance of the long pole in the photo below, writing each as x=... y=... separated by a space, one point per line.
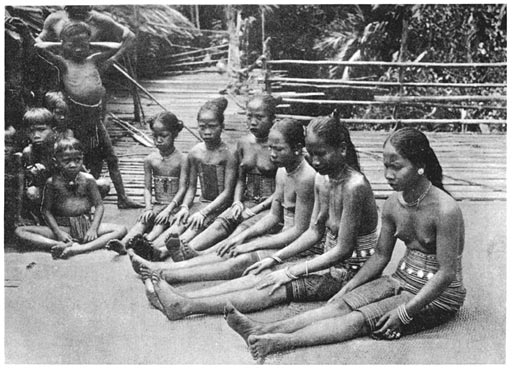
x=124 y=73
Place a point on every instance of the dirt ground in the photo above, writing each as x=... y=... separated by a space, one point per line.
x=91 y=309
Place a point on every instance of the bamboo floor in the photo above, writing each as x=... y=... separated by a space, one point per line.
x=474 y=164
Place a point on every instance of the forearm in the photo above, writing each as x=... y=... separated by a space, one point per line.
x=305 y=241
x=320 y=262
x=429 y=292
x=126 y=43
x=371 y=269
x=278 y=240
x=98 y=216
x=148 y=203
x=264 y=205
x=51 y=222
x=260 y=228
x=221 y=200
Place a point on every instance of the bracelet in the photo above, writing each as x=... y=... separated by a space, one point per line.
x=183 y=206
x=403 y=315
x=238 y=203
x=277 y=258
x=289 y=274
x=173 y=201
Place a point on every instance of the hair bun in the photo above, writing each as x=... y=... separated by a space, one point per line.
x=220 y=104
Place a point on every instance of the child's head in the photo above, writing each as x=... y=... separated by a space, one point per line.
x=79 y=12
x=39 y=122
x=210 y=119
x=286 y=140
x=329 y=145
x=165 y=127
x=413 y=145
x=56 y=103
x=68 y=154
x=261 y=111
x=75 y=37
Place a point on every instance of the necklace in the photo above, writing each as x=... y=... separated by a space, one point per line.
x=297 y=168
x=417 y=201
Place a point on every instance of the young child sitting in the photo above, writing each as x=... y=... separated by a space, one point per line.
x=84 y=93
x=37 y=159
x=165 y=173
x=68 y=198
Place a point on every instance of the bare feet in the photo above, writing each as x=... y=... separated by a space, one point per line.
x=151 y=295
x=173 y=244
x=126 y=203
x=144 y=248
x=58 y=249
x=117 y=246
x=187 y=251
x=172 y=303
x=260 y=347
x=138 y=262
x=240 y=323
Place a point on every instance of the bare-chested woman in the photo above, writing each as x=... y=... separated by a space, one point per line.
x=426 y=290
x=291 y=208
x=344 y=211
x=255 y=184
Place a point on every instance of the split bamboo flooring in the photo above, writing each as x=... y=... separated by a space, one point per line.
x=474 y=164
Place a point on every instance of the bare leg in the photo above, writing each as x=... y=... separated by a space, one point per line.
x=233 y=285
x=119 y=246
x=157 y=230
x=209 y=237
x=177 y=306
x=38 y=237
x=224 y=269
x=139 y=263
x=321 y=332
x=246 y=326
x=106 y=232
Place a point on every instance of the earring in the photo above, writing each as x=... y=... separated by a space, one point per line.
x=421 y=171
x=296 y=153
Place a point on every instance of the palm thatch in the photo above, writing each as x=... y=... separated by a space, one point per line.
x=157 y=20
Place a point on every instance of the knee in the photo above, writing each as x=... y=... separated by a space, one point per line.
x=33 y=194
x=112 y=159
x=103 y=186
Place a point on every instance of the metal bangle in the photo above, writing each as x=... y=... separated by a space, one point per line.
x=289 y=274
x=277 y=259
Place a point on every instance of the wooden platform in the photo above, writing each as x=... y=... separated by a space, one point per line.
x=474 y=164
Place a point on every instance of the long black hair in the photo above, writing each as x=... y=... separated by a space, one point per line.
x=413 y=145
x=335 y=134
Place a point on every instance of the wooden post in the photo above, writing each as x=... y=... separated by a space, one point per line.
x=198 y=23
x=132 y=70
x=402 y=58
x=234 y=18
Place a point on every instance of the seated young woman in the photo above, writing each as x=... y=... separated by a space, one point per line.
x=254 y=187
x=426 y=289
x=291 y=209
x=344 y=211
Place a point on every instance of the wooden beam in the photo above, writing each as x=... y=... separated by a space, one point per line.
x=387 y=84
x=387 y=64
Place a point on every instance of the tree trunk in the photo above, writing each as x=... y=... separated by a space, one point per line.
x=234 y=21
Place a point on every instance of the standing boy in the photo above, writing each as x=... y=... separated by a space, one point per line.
x=80 y=73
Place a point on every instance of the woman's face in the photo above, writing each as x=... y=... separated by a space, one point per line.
x=324 y=158
x=70 y=162
x=163 y=138
x=400 y=172
x=258 y=118
x=209 y=127
x=281 y=154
